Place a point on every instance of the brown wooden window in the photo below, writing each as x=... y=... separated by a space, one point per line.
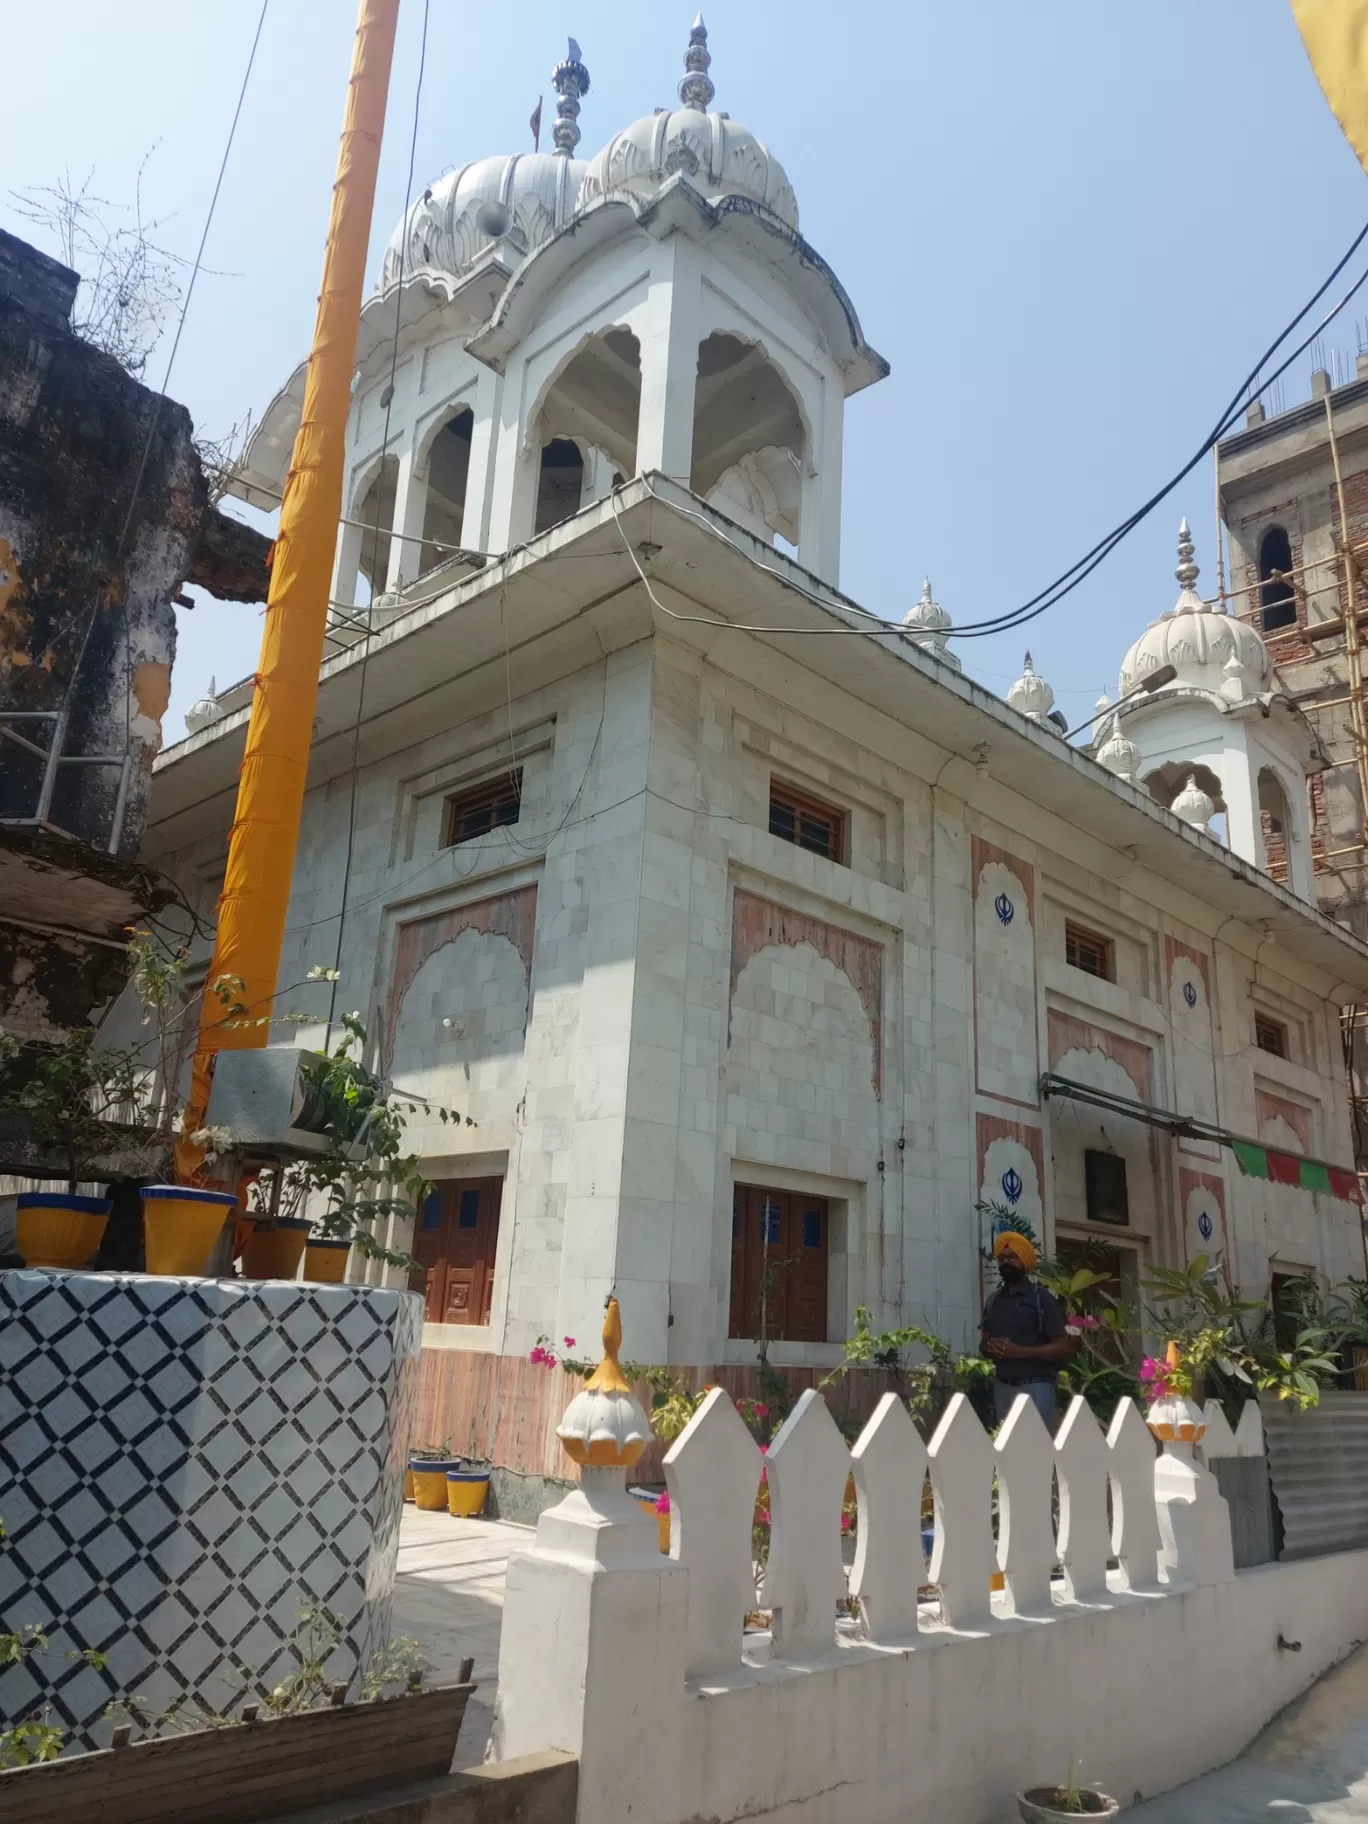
x=807 y=822
x=1104 y=1178
x=1087 y=951
x=483 y=808
x=1270 y=1035
x=780 y=1249
x=454 y=1242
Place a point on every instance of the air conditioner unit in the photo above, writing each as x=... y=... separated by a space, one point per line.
x=269 y=1102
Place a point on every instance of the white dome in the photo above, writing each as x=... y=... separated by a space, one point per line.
x=1194 y=805
x=928 y=625
x=1117 y=754
x=517 y=201
x=1198 y=641
x=1031 y=695
x=718 y=155
x=206 y=710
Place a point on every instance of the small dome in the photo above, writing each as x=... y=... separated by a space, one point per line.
x=928 y=625
x=1117 y=754
x=1198 y=641
x=718 y=155
x=1194 y=805
x=517 y=202
x=1031 y=695
x=201 y=714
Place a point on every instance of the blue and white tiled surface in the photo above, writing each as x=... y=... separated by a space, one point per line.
x=184 y=1464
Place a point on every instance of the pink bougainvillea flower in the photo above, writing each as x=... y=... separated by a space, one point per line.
x=537 y=1354
x=761 y=1412
x=1152 y=1370
x=663 y=1502
x=1086 y=1322
x=569 y=1341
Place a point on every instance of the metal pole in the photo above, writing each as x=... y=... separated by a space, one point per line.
x=261 y=851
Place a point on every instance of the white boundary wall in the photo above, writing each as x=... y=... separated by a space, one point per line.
x=1149 y=1674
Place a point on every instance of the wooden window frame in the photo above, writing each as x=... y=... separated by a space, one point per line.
x=801 y=803
x=1266 y=1025
x=799 y=1235
x=503 y=789
x=1076 y=935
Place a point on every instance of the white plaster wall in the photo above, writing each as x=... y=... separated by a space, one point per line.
x=1148 y=1691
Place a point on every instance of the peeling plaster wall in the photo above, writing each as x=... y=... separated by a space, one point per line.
x=87 y=565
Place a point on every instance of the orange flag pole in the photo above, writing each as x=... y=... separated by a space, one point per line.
x=261 y=851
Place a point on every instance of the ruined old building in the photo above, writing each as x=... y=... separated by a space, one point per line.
x=103 y=516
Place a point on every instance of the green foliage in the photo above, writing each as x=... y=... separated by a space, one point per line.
x=73 y=1097
x=916 y=1376
x=33 y=1738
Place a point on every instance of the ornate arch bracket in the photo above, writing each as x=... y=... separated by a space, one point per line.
x=510 y=915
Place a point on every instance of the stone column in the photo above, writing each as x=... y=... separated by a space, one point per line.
x=591 y=1656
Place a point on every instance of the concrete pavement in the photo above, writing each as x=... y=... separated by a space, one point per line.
x=448 y=1596
x=1310 y=1766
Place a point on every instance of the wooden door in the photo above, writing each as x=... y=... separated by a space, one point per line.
x=455 y=1242
x=780 y=1254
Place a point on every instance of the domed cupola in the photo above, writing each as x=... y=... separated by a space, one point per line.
x=718 y=156
x=928 y=625
x=515 y=202
x=1209 y=649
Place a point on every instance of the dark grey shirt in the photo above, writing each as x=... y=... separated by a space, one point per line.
x=1025 y=1313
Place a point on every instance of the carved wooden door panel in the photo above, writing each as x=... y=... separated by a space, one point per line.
x=455 y=1241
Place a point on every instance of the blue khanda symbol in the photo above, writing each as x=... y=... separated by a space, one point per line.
x=1004 y=908
x=1190 y=993
x=1204 y=1226
x=1011 y=1185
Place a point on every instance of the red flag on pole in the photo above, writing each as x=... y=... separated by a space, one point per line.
x=535 y=124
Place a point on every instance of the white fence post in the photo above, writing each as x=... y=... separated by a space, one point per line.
x=712 y=1471
x=890 y=1474
x=1194 y=1521
x=1249 y=1433
x=807 y=1468
x=1135 y=1520
x=1081 y=1464
x=964 y=1558
x=1218 y=1439
x=1025 y=1475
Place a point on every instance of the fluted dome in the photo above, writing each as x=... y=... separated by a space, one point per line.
x=718 y=155
x=928 y=625
x=517 y=201
x=604 y=1426
x=1198 y=641
x=1031 y=696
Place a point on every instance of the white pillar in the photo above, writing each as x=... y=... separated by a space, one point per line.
x=484 y=447
x=669 y=360
x=410 y=512
x=819 y=533
x=1194 y=1521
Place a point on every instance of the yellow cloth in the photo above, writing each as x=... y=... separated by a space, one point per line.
x=1335 y=33
x=1009 y=1242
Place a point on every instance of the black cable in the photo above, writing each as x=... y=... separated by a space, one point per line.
x=1083 y=567
x=370 y=612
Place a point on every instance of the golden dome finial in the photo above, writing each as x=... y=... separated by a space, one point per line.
x=1173 y=1356
x=608 y=1376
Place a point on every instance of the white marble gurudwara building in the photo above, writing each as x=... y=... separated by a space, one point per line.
x=754 y=937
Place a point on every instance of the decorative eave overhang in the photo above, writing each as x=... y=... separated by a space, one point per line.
x=560 y=602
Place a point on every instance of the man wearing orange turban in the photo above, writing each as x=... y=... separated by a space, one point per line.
x=1023 y=1330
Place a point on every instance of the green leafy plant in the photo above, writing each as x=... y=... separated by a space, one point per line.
x=73 y=1097
x=35 y=1737
x=917 y=1377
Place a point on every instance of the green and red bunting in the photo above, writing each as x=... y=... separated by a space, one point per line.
x=1289 y=1168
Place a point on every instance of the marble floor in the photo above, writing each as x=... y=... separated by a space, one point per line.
x=448 y=1596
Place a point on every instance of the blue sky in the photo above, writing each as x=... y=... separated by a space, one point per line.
x=1070 y=227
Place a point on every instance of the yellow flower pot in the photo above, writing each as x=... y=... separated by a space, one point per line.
x=430 y=1482
x=467 y=1490
x=647 y=1504
x=325 y=1262
x=274 y=1253
x=58 y=1228
x=408 y=1485
x=181 y=1225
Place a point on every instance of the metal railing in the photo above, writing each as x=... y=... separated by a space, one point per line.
x=53 y=758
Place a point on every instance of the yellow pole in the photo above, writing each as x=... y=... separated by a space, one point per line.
x=256 y=888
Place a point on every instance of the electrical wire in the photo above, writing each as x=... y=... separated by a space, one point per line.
x=365 y=657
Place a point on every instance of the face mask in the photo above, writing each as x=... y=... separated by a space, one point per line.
x=1011 y=1270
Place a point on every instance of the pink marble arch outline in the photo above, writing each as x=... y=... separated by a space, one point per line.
x=984 y=854
x=1066 y=1033
x=511 y=915
x=759 y=923
x=1268 y=1107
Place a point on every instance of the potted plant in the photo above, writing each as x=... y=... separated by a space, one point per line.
x=427 y=1471
x=1041 y=1804
x=467 y=1490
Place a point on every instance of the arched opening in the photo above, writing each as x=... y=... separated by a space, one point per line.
x=448 y=470
x=1275 y=820
x=1167 y=781
x=375 y=514
x=560 y=484
x=1277 y=601
x=588 y=424
x=748 y=440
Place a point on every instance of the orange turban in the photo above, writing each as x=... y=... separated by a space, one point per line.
x=1010 y=1242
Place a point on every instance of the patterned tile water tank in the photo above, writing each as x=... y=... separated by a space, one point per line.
x=185 y=1464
